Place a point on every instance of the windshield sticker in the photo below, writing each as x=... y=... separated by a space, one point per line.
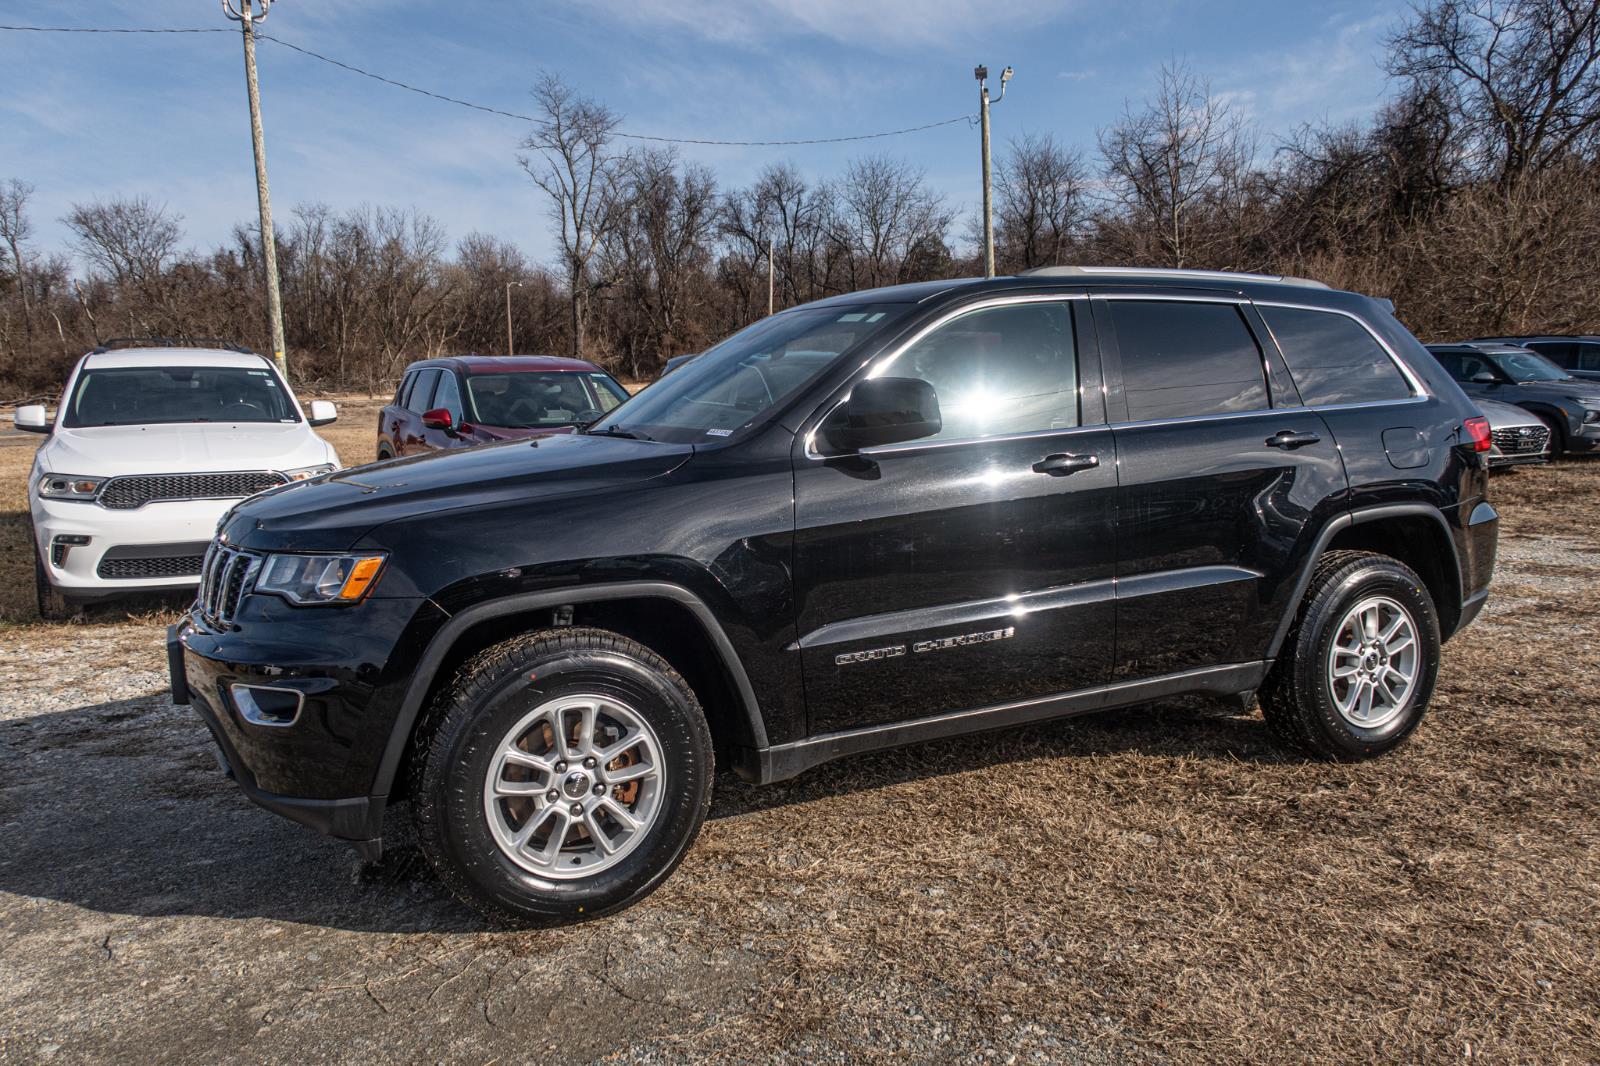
x=855 y=317
x=719 y=432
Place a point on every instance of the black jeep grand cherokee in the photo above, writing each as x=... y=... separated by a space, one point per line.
x=873 y=520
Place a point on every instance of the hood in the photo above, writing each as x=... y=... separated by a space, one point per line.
x=1588 y=391
x=1506 y=415
x=482 y=434
x=332 y=512
x=184 y=448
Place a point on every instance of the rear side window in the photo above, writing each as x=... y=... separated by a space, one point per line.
x=1562 y=355
x=421 y=395
x=1185 y=359
x=1333 y=359
x=404 y=391
x=1000 y=370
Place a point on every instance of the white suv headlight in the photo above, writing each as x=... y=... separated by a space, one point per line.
x=69 y=487
x=306 y=472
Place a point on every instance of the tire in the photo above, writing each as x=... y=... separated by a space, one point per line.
x=1300 y=699
x=384 y=454
x=1558 y=438
x=520 y=689
x=53 y=603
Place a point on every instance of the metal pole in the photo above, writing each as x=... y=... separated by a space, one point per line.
x=988 y=199
x=511 y=348
x=771 y=248
x=247 y=17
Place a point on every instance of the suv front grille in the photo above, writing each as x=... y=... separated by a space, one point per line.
x=1521 y=440
x=135 y=490
x=225 y=579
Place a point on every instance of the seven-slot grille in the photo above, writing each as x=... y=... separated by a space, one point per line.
x=224 y=580
x=1521 y=440
x=135 y=490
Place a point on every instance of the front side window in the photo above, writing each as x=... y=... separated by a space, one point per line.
x=420 y=398
x=1183 y=359
x=607 y=393
x=1333 y=359
x=1463 y=365
x=749 y=376
x=448 y=395
x=998 y=370
x=526 y=399
x=129 y=396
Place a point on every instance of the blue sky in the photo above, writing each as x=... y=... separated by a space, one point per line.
x=84 y=115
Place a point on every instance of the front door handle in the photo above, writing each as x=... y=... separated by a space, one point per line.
x=1291 y=440
x=1061 y=464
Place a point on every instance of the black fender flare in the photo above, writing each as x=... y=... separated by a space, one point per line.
x=1344 y=521
x=450 y=632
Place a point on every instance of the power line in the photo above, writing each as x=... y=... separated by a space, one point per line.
x=495 y=110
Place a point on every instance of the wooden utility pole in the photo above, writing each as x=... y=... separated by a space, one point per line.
x=510 y=347
x=771 y=249
x=247 y=15
x=982 y=74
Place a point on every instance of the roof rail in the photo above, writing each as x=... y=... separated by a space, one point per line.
x=1165 y=272
x=173 y=342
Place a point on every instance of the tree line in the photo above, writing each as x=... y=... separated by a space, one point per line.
x=1471 y=199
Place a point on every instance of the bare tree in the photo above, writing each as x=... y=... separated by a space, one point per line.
x=1522 y=76
x=571 y=159
x=889 y=224
x=1040 y=201
x=1172 y=162
x=132 y=239
x=15 y=230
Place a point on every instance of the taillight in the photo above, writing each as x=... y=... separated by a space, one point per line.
x=1477 y=433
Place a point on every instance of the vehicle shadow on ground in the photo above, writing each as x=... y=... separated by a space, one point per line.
x=121 y=808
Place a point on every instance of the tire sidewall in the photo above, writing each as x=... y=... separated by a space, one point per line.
x=1364 y=579
x=459 y=768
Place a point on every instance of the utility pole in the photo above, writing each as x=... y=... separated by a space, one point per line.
x=982 y=74
x=510 y=347
x=247 y=15
x=771 y=250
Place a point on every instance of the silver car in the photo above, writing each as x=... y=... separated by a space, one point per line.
x=1519 y=438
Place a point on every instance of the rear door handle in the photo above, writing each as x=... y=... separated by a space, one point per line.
x=1290 y=439
x=1061 y=464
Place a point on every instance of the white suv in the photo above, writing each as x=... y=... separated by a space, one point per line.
x=149 y=447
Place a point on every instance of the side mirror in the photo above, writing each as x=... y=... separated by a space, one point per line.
x=1483 y=377
x=322 y=412
x=439 y=418
x=884 y=411
x=31 y=419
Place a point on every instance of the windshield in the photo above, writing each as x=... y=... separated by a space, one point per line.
x=1526 y=366
x=139 y=395
x=753 y=372
x=526 y=399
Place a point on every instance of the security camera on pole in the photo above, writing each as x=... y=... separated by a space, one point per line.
x=247 y=14
x=982 y=74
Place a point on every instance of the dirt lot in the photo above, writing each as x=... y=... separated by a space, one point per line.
x=1156 y=885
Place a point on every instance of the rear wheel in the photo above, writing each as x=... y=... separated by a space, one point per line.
x=1357 y=669
x=561 y=775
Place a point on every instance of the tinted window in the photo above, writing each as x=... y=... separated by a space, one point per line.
x=126 y=396
x=1462 y=365
x=1186 y=359
x=421 y=394
x=1011 y=369
x=404 y=391
x=1588 y=357
x=1333 y=359
x=448 y=395
x=1561 y=354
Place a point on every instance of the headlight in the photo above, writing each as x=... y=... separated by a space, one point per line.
x=69 y=486
x=313 y=579
x=309 y=471
x=1591 y=415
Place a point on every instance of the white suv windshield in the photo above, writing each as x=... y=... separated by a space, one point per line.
x=134 y=396
x=735 y=384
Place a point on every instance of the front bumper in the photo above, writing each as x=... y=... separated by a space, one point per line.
x=163 y=529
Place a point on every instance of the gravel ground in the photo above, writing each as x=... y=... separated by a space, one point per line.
x=1155 y=885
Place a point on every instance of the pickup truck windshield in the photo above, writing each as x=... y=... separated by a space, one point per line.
x=735 y=384
x=137 y=396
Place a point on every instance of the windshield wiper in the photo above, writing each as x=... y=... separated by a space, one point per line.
x=613 y=431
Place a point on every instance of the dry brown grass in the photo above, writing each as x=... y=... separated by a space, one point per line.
x=1164 y=883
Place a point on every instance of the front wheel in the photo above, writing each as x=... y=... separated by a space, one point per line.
x=1357 y=669
x=52 y=602
x=563 y=774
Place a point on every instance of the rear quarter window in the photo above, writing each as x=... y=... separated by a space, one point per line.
x=1333 y=358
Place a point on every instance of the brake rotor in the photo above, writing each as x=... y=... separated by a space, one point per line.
x=628 y=793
